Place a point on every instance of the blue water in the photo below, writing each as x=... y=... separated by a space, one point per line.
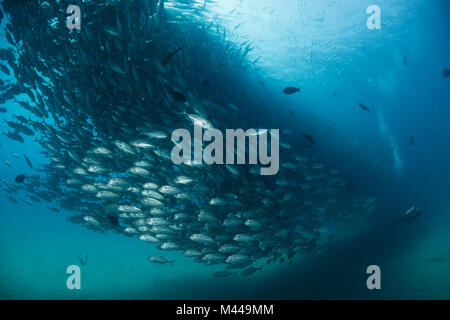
x=324 y=47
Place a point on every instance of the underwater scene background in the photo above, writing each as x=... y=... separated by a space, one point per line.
x=366 y=138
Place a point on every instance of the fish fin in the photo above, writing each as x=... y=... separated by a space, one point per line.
x=171 y=263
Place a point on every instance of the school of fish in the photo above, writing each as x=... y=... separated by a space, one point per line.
x=102 y=102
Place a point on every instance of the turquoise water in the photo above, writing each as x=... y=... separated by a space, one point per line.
x=324 y=47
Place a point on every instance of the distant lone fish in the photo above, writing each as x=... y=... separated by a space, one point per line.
x=251 y=270
x=365 y=108
x=14 y=136
x=291 y=90
x=411 y=140
x=20 y=178
x=83 y=261
x=223 y=274
x=446 y=73
x=169 y=57
x=309 y=138
x=28 y=161
x=160 y=260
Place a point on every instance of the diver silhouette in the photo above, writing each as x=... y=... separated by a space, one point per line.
x=413 y=214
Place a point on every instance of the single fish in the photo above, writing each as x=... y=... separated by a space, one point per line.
x=291 y=90
x=167 y=59
x=309 y=138
x=251 y=270
x=28 y=161
x=178 y=96
x=14 y=136
x=83 y=261
x=435 y=260
x=223 y=274
x=160 y=260
x=20 y=178
x=4 y=69
x=21 y=119
x=113 y=220
x=256 y=60
x=365 y=108
x=12 y=200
